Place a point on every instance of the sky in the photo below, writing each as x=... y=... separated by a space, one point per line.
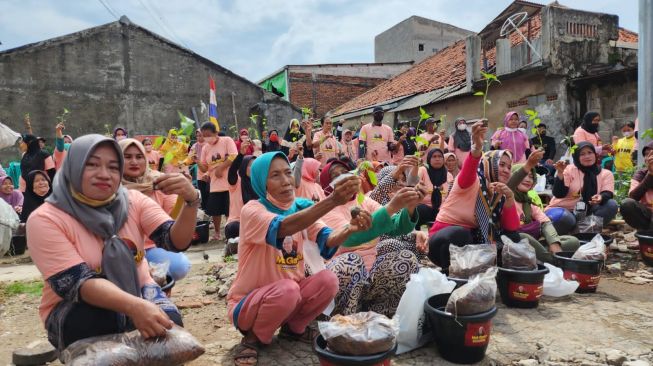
x=256 y=38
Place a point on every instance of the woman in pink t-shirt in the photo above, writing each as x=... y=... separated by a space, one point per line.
x=589 y=131
x=435 y=178
x=636 y=209
x=372 y=275
x=533 y=222
x=271 y=290
x=511 y=138
x=582 y=184
x=308 y=186
x=87 y=241
x=481 y=184
x=138 y=176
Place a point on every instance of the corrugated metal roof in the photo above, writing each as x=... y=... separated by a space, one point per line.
x=430 y=97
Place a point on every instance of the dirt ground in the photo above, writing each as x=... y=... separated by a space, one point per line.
x=613 y=326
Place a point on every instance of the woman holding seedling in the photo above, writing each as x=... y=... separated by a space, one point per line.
x=481 y=184
x=580 y=189
x=511 y=138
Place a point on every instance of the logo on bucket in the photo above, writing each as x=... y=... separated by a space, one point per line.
x=478 y=334
x=524 y=291
x=585 y=281
x=648 y=252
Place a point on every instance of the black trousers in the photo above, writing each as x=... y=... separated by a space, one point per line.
x=426 y=215
x=636 y=214
x=459 y=236
x=232 y=230
x=204 y=193
x=84 y=321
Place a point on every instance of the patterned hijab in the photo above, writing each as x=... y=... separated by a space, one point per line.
x=489 y=205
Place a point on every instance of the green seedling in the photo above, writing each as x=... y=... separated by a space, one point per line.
x=307 y=112
x=489 y=80
x=62 y=117
x=533 y=117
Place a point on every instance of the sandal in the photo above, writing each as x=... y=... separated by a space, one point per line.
x=307 y=337
x=244 y=353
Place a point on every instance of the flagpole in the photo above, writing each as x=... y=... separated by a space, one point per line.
x=233 y=106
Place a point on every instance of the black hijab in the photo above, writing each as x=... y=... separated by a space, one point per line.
x=462 y=140
x=590 y=184
x=34 y=157
x=587 y=122
x=408 y=144
x=437 y=176
x=32 y=201
x=246 y=189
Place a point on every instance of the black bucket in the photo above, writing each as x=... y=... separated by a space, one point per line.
x=459 y=281
x=201 y=234
x=328 y=358
x=462 y=339
x=586 y=272
x=18 y=245
x=585 y=238
x=646 y=247
x=167 y=288
x=521 y=289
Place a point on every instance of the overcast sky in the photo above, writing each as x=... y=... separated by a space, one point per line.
x=255 y=38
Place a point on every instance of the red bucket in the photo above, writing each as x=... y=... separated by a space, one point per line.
x=645 y=247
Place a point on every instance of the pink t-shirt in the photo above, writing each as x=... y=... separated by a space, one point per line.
x=235 y=202
x=221 y=150
x=398 y=154
x=329 y=147
x=377 y=138
x=153 y=159
x=647 y=198
x=459 y=207
x=167 y=203
x=423 y=175
x=460 y=155
x=57 y=241
x=310 y=190
x=49 y=164
x=536 y=213
x=573 y=179
x=581 y=135
x=259 y=263
x=59 y=157
x=428 y=136
x=350 y=149
x=341 y=216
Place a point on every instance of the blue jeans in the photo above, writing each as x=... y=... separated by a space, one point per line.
x=564 y=221
x=179 y=263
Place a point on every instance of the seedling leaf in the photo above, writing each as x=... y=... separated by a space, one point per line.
x=479 y=94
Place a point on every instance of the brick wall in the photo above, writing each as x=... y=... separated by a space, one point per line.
x=326 y=92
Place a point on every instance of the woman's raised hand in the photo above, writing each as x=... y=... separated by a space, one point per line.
x=533 y=159
x=361 y=222
x=479 y=130
x=176 y=183
x=345 y=189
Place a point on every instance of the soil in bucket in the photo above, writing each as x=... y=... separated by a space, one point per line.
x=586 y=272
x=585 y=238
x=646 y=247
x=462 y=339
x=521 y=289
x=328 y=358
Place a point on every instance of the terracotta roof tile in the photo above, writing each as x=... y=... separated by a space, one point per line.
x=628 y=36
x=443 y=69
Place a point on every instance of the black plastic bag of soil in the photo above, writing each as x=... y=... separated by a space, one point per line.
x=359 y=334
x=518 y=256
x=127 y=349
x=476 y=296
x=471 y=259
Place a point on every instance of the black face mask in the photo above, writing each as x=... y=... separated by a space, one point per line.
x=543 y=133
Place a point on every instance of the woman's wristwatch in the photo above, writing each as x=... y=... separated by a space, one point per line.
x=196 y=202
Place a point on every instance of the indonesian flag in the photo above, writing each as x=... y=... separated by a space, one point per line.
x=213 y=105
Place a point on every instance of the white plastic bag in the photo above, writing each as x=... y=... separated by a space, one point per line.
x=413 y=327
x=555 y=284
x=8 y=137
x=315 y=264
x=541 y=183
x=9 y=221
x=594 y=250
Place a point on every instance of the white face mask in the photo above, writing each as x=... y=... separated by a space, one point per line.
x=462 y=127
x=628 y=134
x=522 y=130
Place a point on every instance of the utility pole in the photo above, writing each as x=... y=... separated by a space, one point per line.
x=645 y=73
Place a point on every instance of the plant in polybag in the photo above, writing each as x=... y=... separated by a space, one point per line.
x=414 y=330
x=130 y=349
x=364 y=333
x=594 y=250
x=159 y=272
x=471 y=259
x=518 y=256
x=478 y=295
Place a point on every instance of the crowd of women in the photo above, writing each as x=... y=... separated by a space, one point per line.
x=328 y=221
